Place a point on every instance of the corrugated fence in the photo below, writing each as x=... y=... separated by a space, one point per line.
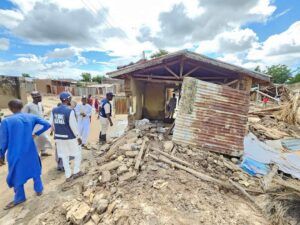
x=212 y=116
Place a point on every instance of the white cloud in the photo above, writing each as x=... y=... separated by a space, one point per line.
x=283 y=48
x=124 y=29
x=39 y=67
x=10 y=18
x=229 y=41
x=64 y=52
x=4 y=44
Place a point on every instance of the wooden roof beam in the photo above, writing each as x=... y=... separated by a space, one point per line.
x=171 y=71
x=191 y=71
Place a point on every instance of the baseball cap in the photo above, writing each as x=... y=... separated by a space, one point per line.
x=64 y=96
x=110 y=94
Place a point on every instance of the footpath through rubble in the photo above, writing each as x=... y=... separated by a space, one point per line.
x=143 y=178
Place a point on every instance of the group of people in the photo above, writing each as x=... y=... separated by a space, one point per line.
x=22 y=136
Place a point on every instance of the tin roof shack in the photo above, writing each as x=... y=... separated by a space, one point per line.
x=216 y=101
x=49 y=86
x=12 y=88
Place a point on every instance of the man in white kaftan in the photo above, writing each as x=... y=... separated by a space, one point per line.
x=42 y=142
x=83 y=114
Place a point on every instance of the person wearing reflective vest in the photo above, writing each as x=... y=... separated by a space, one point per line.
x=105 y=112
x=66 y=135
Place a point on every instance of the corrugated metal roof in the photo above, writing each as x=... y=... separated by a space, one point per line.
x=190 y=55
x=212 y=116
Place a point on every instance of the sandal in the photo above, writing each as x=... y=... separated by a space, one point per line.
x=77 y=175
x=45 y=154
x=12 y=204
x=69 y=179
x=39 y=193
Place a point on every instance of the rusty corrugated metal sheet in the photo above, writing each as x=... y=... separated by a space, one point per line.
x=212 y=116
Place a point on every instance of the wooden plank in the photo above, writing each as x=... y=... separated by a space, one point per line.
x=277 y=100
x=232 y=82
x=154 y=76
x=191 y=71
x=160 y=81
x=171 y=71
x=172 y=157
x=140 y=156
x=192 y=171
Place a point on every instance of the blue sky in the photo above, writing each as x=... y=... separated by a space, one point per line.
x=56 y=38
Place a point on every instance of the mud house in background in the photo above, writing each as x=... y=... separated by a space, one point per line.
x=51 y=86
x=12 y=88
x=95 y=89
x=214 y=97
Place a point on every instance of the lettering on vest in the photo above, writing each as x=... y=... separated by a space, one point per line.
x=59 y=119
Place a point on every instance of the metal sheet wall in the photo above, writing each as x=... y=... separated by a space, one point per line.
x=212 y=117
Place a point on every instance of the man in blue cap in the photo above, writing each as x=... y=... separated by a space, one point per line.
x=66 y=136
x=22 y=156
x=105 y=113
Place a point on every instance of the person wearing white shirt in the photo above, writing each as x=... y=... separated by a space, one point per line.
x=84 y=113
x=67 y=136
x=42 y=142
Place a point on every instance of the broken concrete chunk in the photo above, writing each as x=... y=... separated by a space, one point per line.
x=126 y=147
x=159 y=184
x=96 y=218
x=168 y=146
x=128 y=176
x=131 y=140
x=122 y=169
x=139 y=141
x=235 y=160
x=111 y=207
x=78 y=212
x=102 y=205
x=90 y=222
x=131 y=154
x=112 y=165
x=104 y=147
x=120 y=158
x=106 y=176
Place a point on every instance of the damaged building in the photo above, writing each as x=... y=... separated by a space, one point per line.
x=11 y=88
x=214 y=97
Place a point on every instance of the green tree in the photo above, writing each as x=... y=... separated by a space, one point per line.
x=25 y=75
x=98 y=79
x=86 y=77
x=159 y=53
x=280 y=73
x=296 y=78
x=257 y=69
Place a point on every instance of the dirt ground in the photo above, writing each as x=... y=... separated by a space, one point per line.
x=159 y=195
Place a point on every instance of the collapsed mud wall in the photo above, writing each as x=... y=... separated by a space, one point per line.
x=11 y=88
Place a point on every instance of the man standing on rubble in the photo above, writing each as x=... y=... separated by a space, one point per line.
x=36 y=108
x=84 y=113
x=172 y=106
x=105 y=113
x=16 y=137
x=66 y=136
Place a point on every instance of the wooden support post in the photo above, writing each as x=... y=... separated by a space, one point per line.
x=181 y=67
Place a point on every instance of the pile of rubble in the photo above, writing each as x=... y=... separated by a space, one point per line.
x=133 y=181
